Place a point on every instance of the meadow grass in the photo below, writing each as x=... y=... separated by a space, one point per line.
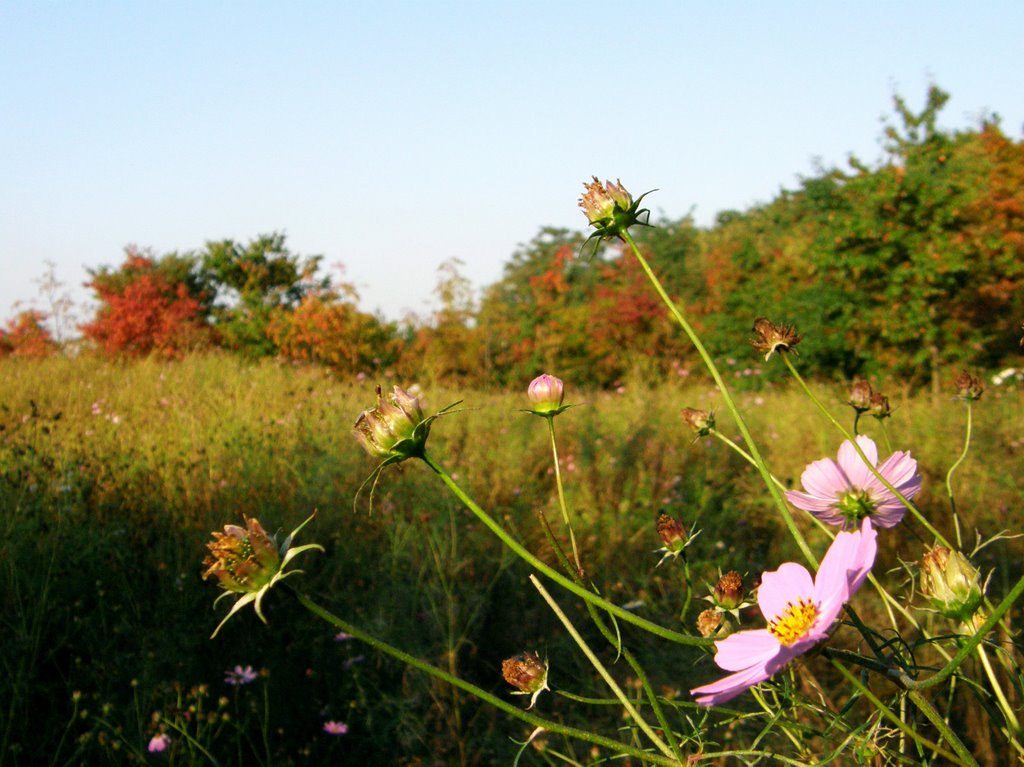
x=112 y=476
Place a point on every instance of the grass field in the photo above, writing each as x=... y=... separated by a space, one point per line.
x=112 y=477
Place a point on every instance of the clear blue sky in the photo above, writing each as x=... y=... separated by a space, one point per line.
x=393 y=136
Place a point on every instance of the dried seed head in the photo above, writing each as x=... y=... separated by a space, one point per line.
x=771 y=338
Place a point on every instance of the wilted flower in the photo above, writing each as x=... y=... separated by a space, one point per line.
x=711 y=622
x=335 y=728
x=610 y=209
x=860 y=396
x=240 y=675
x=395 y=427
x=546 y=394
x=845 y=492
x=701 y=421
x=673 y=535
x=880 y=406
x=158 y=743
x=968 y=387
x=800 y=611
x=728 y=592
x=951 y=583
x=773 y=338
x=527 y=673
x=247 y=561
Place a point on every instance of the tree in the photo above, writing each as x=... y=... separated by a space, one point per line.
x=26 y=336
x=253 y=282
x=149 y=305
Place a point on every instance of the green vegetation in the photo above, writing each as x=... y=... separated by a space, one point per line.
x=112 y=476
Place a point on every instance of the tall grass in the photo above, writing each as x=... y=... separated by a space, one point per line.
x=113 y=475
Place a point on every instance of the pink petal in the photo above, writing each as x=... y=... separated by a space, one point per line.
x=824 y=479
x=831 y=584
x=782 y=587
x=888 y=514
x=727 y=688
x=745 y=649
x=899 y=468
x=810 y=503
x=864 y=557
x=853 y=465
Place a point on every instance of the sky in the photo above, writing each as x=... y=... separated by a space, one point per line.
x=391 y=137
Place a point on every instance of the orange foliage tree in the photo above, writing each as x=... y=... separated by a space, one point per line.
x=27 y=336
x=149 y=305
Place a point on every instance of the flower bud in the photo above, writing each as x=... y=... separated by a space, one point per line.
x=728 y=592
x=773 y=338
x=527 y=673
x=546 y=394
x=860 y=396
x=701 y=421
x=242 y=559
x=968 y=387
x=951 y=583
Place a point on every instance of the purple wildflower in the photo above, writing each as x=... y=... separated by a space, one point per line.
x=845 y=491
x=158 y=743
x=335 y=728
x=799 y=611
x=240 y=675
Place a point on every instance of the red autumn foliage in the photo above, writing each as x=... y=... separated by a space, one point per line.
x=26 y=336
x=142 y=312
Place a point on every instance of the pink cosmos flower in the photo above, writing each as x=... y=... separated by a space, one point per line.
x=240 y=675
x=158 y=743
x=335 y=728
x=799 y=611
x=844 y=492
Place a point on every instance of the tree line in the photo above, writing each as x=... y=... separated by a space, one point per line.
x=904 y=268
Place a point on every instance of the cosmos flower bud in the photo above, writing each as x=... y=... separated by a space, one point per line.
x=712 y=623
x=395 y=428
x=860 y=396
x=546 y=394
x=610 y=209
x=527 y=673
x=951 y=583
x=728 y=592
x=968 y=387
x=701 y=421
x=771 y=338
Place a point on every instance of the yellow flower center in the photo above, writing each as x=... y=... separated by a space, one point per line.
x=794 y=622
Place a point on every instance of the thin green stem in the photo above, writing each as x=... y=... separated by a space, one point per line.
x=596 y=663
x=967 y=648
x=953 y=468
x=1004 y=704
x=566 y=583
x=561 y=496
x=762 y=468
x=903 y=726
x=472 y=689
x=871 y=467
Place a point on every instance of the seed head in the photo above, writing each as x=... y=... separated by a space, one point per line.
x=771 y=338
x=968 y=387
x=610 y=209
x=527 y=673
x=880 y=406
x=712 y=623
x=951 y=583
x=395 y=428
x=701 y=421
x=860 y=396
x=728 y=592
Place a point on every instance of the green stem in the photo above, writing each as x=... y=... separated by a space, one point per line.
x=472 y=689
x=871 y=467
x=1004 y=704
x=596 y=663
x=967 y=648
x=566 y=583
x=954 y=467
x=561 y=496
x=762 y=468
x=904 y=727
